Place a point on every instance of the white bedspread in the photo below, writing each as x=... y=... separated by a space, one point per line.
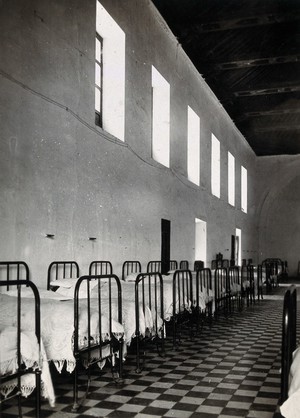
x=57 y=325
x=128 y=294
x=291 y=407
x=128 y=311
x=31 y=357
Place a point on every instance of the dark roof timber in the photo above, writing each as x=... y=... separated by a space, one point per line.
x=248 y=52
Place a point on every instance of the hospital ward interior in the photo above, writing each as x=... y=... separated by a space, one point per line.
x=150 y=208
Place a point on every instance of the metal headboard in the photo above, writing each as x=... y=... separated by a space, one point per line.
x=100 y=268
x=154 y=267
x=13 y=270
x=62 y=270
x=198 y=265
x=131 y=267
x=184 y=265
x=173 y=265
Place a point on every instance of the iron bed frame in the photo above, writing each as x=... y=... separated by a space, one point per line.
x=289 y=338
x=71 y=269
x=222 y=291
x=234 y=278
x=129 y=267
x=153 y=299
x=62 y=270
x=20 y=269
x=100 y=267
x=182 y=304
x=92 y=346
x=203 y=281
x=184 y=265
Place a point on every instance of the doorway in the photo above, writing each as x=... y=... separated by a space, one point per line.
x=238 y=247
x=165 y=245
x=200 y=240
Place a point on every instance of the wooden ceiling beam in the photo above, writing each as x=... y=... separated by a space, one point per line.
x=278 y=128
x=232 y=65
x=271 y=90
x=272 y=112
x=242 y=22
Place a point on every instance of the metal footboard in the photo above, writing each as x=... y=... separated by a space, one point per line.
x=149 y=295
x=19 y=285
x=289 y=338
x=104 y=345
x=182 y=303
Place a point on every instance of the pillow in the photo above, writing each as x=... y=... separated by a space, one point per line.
x=69 y=292
x=67 y=283
x=131 y=277
x=170 y=274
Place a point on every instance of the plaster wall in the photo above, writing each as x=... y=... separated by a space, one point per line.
x=278 y=209
x=61 y=174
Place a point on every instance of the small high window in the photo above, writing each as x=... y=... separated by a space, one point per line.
x=109 y=74
x=231 y=179
x=215 y=166
x=244 y=191
x=98 y=80
x=160 y=118
x=193 y=148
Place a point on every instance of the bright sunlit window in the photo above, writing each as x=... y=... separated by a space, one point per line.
x=215 y=166
x=244 y=191
x=160 y=118
x=98 y=80
x=193 y=148
x=231 y=179
x=109 y=74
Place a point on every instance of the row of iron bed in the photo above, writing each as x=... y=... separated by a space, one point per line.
x=96 y=309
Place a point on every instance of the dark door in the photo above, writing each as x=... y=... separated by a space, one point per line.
x=165 y=245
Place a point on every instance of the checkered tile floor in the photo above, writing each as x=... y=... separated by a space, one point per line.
x=231 y=369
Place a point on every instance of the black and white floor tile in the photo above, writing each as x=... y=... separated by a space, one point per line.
x=229 y=370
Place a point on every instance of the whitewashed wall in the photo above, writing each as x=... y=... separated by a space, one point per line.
x=278 y=209
x=61 y=174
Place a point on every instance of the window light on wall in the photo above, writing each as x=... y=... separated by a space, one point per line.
x=109 y=74
x=200 y=240
x=215 y=166
x=238 y=247
x=160 y=118
x=193 y=147
x=244 y=191
x=231 y=179
x=98 y=80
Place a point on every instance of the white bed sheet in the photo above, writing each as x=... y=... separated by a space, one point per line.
x=31 y=357
x=66 y=291
x=57 y=325
x=291 y=407
x=128 y=293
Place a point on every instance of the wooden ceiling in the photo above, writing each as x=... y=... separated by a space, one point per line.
x=248 y=52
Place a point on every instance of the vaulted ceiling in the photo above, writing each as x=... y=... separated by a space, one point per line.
x=248 y=52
